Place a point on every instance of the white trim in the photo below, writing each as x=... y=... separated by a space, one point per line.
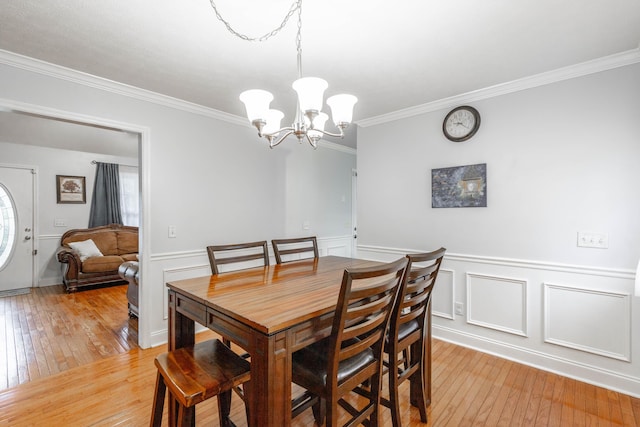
x=333 y=146
x=512 y=262
x=485 y=324
x=50 y=237
x=89 y=80
x=578 y=70
x=451 y=315
x=625 y=355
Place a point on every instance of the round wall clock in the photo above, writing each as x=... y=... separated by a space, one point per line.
x=461 y=123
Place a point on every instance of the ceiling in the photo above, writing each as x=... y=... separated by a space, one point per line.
x=391 y=55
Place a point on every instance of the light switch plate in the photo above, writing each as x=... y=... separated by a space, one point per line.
x=588 y=239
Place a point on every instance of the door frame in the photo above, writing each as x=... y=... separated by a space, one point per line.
x=144 y=239
x=34 y=218
x=354 y=213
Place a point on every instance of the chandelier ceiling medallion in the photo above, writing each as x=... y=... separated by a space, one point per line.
x=309 y=119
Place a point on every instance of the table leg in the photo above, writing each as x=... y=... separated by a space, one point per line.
x=415 y=386
x=427 y=357
x=270 y=404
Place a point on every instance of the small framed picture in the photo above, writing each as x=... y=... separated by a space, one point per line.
x=71 y=189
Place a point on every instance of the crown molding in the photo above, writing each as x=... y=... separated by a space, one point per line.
x=578 y=70
x=590 y=67
x=52 y=70
x=337 y=147
x=48 y=69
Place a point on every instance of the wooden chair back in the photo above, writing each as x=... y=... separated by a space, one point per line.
x=410 y=331
x=366 y=300
x=300 y=245
x=237 y=253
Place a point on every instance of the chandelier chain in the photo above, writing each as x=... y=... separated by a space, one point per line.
x=297 y=5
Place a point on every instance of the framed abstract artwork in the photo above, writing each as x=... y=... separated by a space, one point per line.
x=459 y=187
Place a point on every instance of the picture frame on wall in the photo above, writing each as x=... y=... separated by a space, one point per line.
x=71 y=189
x=459 y=187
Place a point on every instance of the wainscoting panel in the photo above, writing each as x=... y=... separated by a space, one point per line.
x=337 y=246
x=180 y=273
x=444 y=295
x=497 y=302
x=588 y=320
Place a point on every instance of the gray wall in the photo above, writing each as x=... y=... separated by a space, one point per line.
x=561 y=158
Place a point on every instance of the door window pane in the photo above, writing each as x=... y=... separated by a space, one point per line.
x=7 y=226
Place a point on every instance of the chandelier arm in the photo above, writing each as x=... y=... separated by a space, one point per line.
x=313 y=143
x=282 y=138
x=273 y=134
x=335 y=135
x=295 y=6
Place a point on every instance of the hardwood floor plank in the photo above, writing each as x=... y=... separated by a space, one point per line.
x=568 y=405
x=546 y=398
x=495 y=381
x=555 y=413
x=535 y=400
x=503 y=395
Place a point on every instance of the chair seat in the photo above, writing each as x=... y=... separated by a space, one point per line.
x=404 y=331
x=194 y=374
x=310 y=364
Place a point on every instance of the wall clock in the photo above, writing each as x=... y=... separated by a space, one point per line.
x=461 y=123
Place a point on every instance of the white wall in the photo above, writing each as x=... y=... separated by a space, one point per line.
x=561 y=158
x=50 y=162
x=202 y=172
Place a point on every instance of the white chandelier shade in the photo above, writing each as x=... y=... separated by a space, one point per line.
x=310 y=92
x=342 y=108
x=256 y=102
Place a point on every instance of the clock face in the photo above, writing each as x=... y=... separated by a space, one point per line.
x=461 y=123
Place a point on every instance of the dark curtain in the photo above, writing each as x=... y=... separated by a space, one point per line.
x=105 y=205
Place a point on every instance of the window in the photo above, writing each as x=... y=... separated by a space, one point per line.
x=7 y=227
x=129 y=195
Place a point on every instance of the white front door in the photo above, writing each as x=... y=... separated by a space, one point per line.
x=16 y=227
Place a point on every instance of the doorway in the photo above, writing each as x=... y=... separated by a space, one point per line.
x=17 y=112
x=17 y=212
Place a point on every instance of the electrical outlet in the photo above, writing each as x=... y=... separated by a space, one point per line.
x=459 y=309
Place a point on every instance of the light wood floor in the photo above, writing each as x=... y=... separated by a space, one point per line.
x=110 y=381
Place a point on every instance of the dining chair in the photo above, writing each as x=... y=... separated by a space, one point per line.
x=238 y=253
x=244 y=255
x=300 y=245
x=408 y=344
x=195 y=374
x=333 y=367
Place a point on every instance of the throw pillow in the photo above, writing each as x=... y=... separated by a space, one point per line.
x=86 y=249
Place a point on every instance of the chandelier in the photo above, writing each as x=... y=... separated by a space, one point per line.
x=309 y=119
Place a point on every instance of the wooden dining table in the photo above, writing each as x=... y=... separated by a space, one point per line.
x=270 y=312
